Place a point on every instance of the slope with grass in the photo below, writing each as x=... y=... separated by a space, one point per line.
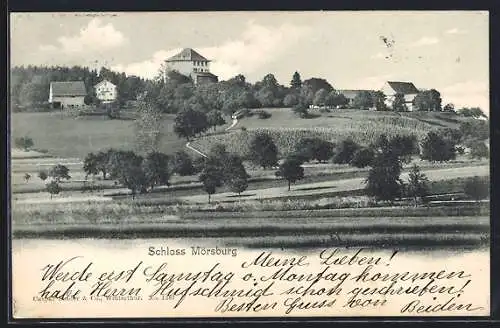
x=64 y=136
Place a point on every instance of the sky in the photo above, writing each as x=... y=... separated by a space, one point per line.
x=446 y=50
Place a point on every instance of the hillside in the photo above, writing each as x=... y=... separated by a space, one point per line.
x=287 y=128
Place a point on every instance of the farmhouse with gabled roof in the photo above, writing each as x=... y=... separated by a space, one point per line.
x=190 y=63
x=67 y=94
x=106 y=91
x=407 y=89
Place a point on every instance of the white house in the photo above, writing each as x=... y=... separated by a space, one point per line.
x=190 y=63
x=407 y=89
x=106 y=91
x=67 y=94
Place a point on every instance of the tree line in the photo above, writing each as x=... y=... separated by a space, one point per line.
x=30 y=85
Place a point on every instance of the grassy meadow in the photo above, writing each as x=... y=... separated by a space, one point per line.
x=65 y=136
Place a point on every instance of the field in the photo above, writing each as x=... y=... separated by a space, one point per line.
x=286 y=128
x=64 y=136
x=327 y=207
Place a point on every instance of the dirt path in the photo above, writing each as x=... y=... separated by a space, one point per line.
x=188 y=145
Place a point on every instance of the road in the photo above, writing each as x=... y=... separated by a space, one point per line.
x=335 y=186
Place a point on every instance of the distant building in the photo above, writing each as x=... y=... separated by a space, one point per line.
x=351 y=94
x=407 y=89
x=67 y=94
x=190 y=63
x=106 y=91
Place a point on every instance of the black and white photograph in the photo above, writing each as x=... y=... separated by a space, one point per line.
x=249 y=164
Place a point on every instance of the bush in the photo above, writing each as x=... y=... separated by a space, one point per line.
x=182 y=164
x=477 y=188
x=363 y=157
x=24 y=143
x=314 y=149
x=479 y=150
x=345 y=151
x=436 y=148
x=262 y=114
x=301 y=110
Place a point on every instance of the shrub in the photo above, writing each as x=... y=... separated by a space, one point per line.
x=301 y=110
x=477 y=188
x=43 y=175
x=182 y=164
x=345 y=151
x=479 y=150
x=24 y=143
x=436 y=148
x=363 y=157
x=314 y=149
x=262 y=114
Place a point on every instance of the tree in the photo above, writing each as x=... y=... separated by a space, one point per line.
x=363 y=157
x=475 y=130
x=291 y=99
x=477 y=188
x=296 y=82
x=263 y=150
x=479 y=150
x=436 y=148
x=33 y=93
x=449 y=108
x=428 y=100
x=27 y=177
x=53 y=188
x=363 y=100
x=126 y=168
x=345 y=151
x=211 y=179
x=417 y=184
x=306 y=95
x=320 y=97
x=291 y=170
x=238 y=184
x=190 y=122
x=24 y=143
x=399 y=104
x=148 y=127
x=59 y=172
x=156 y=169
x=474 y=112
x=182 y=164
x=43 y=175
x=90 y=164
x=314 y=149
x=404 y=146
x=335 y=99
x=102 y=162
x=214 y=118
x=234 y=174
x=378 y=100
x=383 y=180
x=301 y=110
x=316 y=84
